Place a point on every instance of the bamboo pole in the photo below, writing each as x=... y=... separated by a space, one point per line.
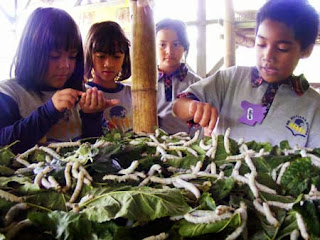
x=229 y=35
x=144 y=68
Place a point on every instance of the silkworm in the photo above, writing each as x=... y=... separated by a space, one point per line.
x=302 y=226
x=54 y=183
x=169 y=157
x=237 y=165
x=181 y=142
x=154 y=168
x=193 y=140
x=199 y=217
x=122 y=178
x=286 y=206
x=22 y=161
x=51 y=152
x=197 y=168
x=26 y=153
x=86 y=173
x=154 y=139
x=130 y=169
x=14 y=211
x=10 y=197
x=179 y=183
x=152 y=144
x=274 y=172
x=45 y=183
x=236 y=157
x=67 y=175
x=294 y=235
x=314 y=159
x=75 y=169
x=258 y=206
x=183 y=148
x=269 y=216
x=303 y=153
x=250 y=165
x=252 y=185
x=282 y=171
x=64 y=144
x=243 y=214
x=86 y=199
x=40 y=175
x=226 y=141
x=78 y=188
x=213 y=168
x=203 y=146
x=161 y=150
x=160 y=236
x=165 y=181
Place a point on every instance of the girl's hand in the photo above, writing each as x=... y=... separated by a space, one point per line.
x=65 y=99
x=205 y=115
x=92 y=101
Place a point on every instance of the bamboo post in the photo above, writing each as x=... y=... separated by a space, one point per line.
x=144 y=68
x=229 y=35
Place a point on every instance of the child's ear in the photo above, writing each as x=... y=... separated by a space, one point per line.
x=307 y=52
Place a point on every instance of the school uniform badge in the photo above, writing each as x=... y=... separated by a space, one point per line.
x=298 y=126
x=253 y=113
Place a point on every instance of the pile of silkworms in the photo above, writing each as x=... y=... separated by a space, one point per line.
x=169 y=147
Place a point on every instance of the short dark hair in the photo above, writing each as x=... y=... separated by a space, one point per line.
x=296 y=14
x=47 y=29
x=179 y=27
x=107 y=37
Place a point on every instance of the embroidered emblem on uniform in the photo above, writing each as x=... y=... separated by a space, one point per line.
x=253 y=113
x=298 y=126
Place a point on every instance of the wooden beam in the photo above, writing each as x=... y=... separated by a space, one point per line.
x=229 y=35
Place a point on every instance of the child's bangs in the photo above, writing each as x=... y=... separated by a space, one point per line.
x=109 y=46
x=66 y=39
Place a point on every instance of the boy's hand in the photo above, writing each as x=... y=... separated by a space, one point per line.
x=205 y=115
x=65 y=99
x=92 y=101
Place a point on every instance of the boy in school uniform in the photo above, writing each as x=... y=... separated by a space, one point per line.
x=265 y=103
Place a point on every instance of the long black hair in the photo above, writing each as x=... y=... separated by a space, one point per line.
x=47 y=29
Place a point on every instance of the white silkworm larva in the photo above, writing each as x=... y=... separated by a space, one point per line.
x=213 y=168
x=236 y=157
x=40 y=175
x=75 y=169
x=165 y=181
x=207 y=218
x=181 y=142
x=14 y=211
x=86 y=174
x=237 y=165
x=122 y=178
x=192 y=151
x=203 y=146
x=26 y=153
x=154 y=168
x=179 y=183
x=252 y=184
x=67 y=175
x=51 y=152
x=22 y=161
x=78 y=188
x=193 y=140
x=85 y=199
x=197 y=168
x=274 y=172
x=45 y=183
x=282 y=171
x=9 y=196
x=161 y=236
x=130 y=169
x=161 y=150
x=250 y=164
x=270 y=218
x=294 y=235
x=258 y=206
x=226 y=141
x=314 y=159
x=64 y=144
x=154 y=139
x=302 y=226
x=54 y=182
x=286 y=206
x=243 y=213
